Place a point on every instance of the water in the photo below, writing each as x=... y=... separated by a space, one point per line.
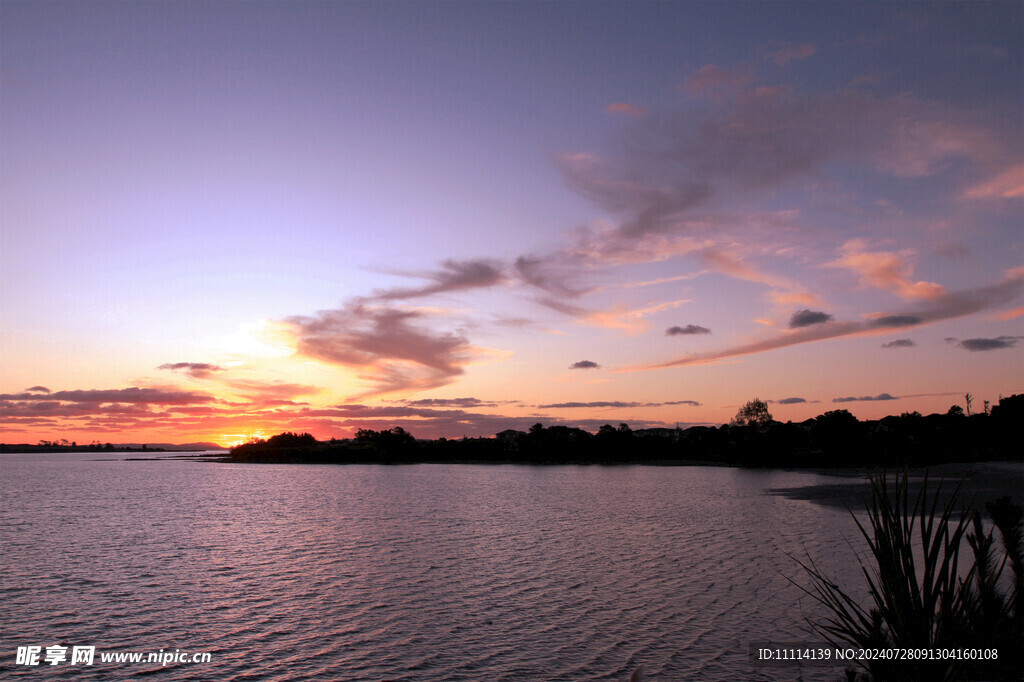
x=429 y=572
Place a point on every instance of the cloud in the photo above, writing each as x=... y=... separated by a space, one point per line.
x=791 y=401
x=584 y=364
x=715 y=82
x=452 y=402
x=730 y=264
x=669 y=168
x=629 y=320
x=868 y=398
x=806 y=318
x=132 y=395
x=786 y=298
x=899 y=343
x=598 y=403
x=264 y=392
x=383 y=344
x=885 y=270
x=455 y=276
x=950 y=305
x=616 y=404
x=980 y=344
x=37 y=389
x=1008 y=184
x=199 y=370
x=896 y=321
x=550 y=273
x=646 y=206
x=793 y=52
x=627 y=109
x=1010 y=314
x=687 y=330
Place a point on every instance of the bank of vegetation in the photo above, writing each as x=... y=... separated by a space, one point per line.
x=833 y=439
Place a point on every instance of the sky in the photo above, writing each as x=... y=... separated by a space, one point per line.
x=227 y=220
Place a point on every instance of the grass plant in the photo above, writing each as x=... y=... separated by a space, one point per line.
x=927 y=592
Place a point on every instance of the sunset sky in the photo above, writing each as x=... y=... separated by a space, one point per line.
x=226 y=219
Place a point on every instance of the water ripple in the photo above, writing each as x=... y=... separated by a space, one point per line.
x=429 y=572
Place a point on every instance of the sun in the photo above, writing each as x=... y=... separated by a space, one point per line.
x=233 y=440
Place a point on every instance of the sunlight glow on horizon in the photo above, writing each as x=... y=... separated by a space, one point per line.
x=229 y=219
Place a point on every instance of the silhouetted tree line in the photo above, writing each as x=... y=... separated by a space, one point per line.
x=64 y=445
x=833 y=439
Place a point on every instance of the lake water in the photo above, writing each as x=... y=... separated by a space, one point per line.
x=428 y=572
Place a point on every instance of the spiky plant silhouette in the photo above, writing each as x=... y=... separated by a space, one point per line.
x=920 y=598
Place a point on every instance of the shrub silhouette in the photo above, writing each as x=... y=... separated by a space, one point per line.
x=928 y=606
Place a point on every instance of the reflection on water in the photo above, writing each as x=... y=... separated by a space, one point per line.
x=429 y=572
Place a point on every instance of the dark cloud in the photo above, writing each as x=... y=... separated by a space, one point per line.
x=666 y=178
x=199 y=370
x=899 y=343
x=998 y=343
x=360 y=411
x=550 y=273
x=154 y=396
x=616 y=404
x=598 y=403
x=791 y=401
x=867 y=398
x=687 y=330
x=584 y=364
x=456 y=276
x=562 y=306
x=947 y=306
x=53 y=408
x=806 y=318
x=450 y=402
x=897 y=321
x=37 y=389
x=384 y=343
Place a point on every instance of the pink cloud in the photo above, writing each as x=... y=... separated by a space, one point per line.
x=714 y=82
x=631 y=321
x=455 y=276
x=793 y=52
x=627 y=109
x=392 y=353
x=885 y=270
x=1006 y=185
x=729 y=263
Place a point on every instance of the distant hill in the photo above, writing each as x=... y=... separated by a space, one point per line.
x=109 y=447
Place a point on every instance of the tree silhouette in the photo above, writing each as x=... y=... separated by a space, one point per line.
x=754 y=413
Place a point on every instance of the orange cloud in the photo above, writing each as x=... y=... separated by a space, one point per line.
x=790 y=298
x=1010 y=314
x=1006 y=185
x=885 y=270
x=630 y=321
x=627 y=109
x=731 y=264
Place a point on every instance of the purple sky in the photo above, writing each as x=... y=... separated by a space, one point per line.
x=226 y=218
